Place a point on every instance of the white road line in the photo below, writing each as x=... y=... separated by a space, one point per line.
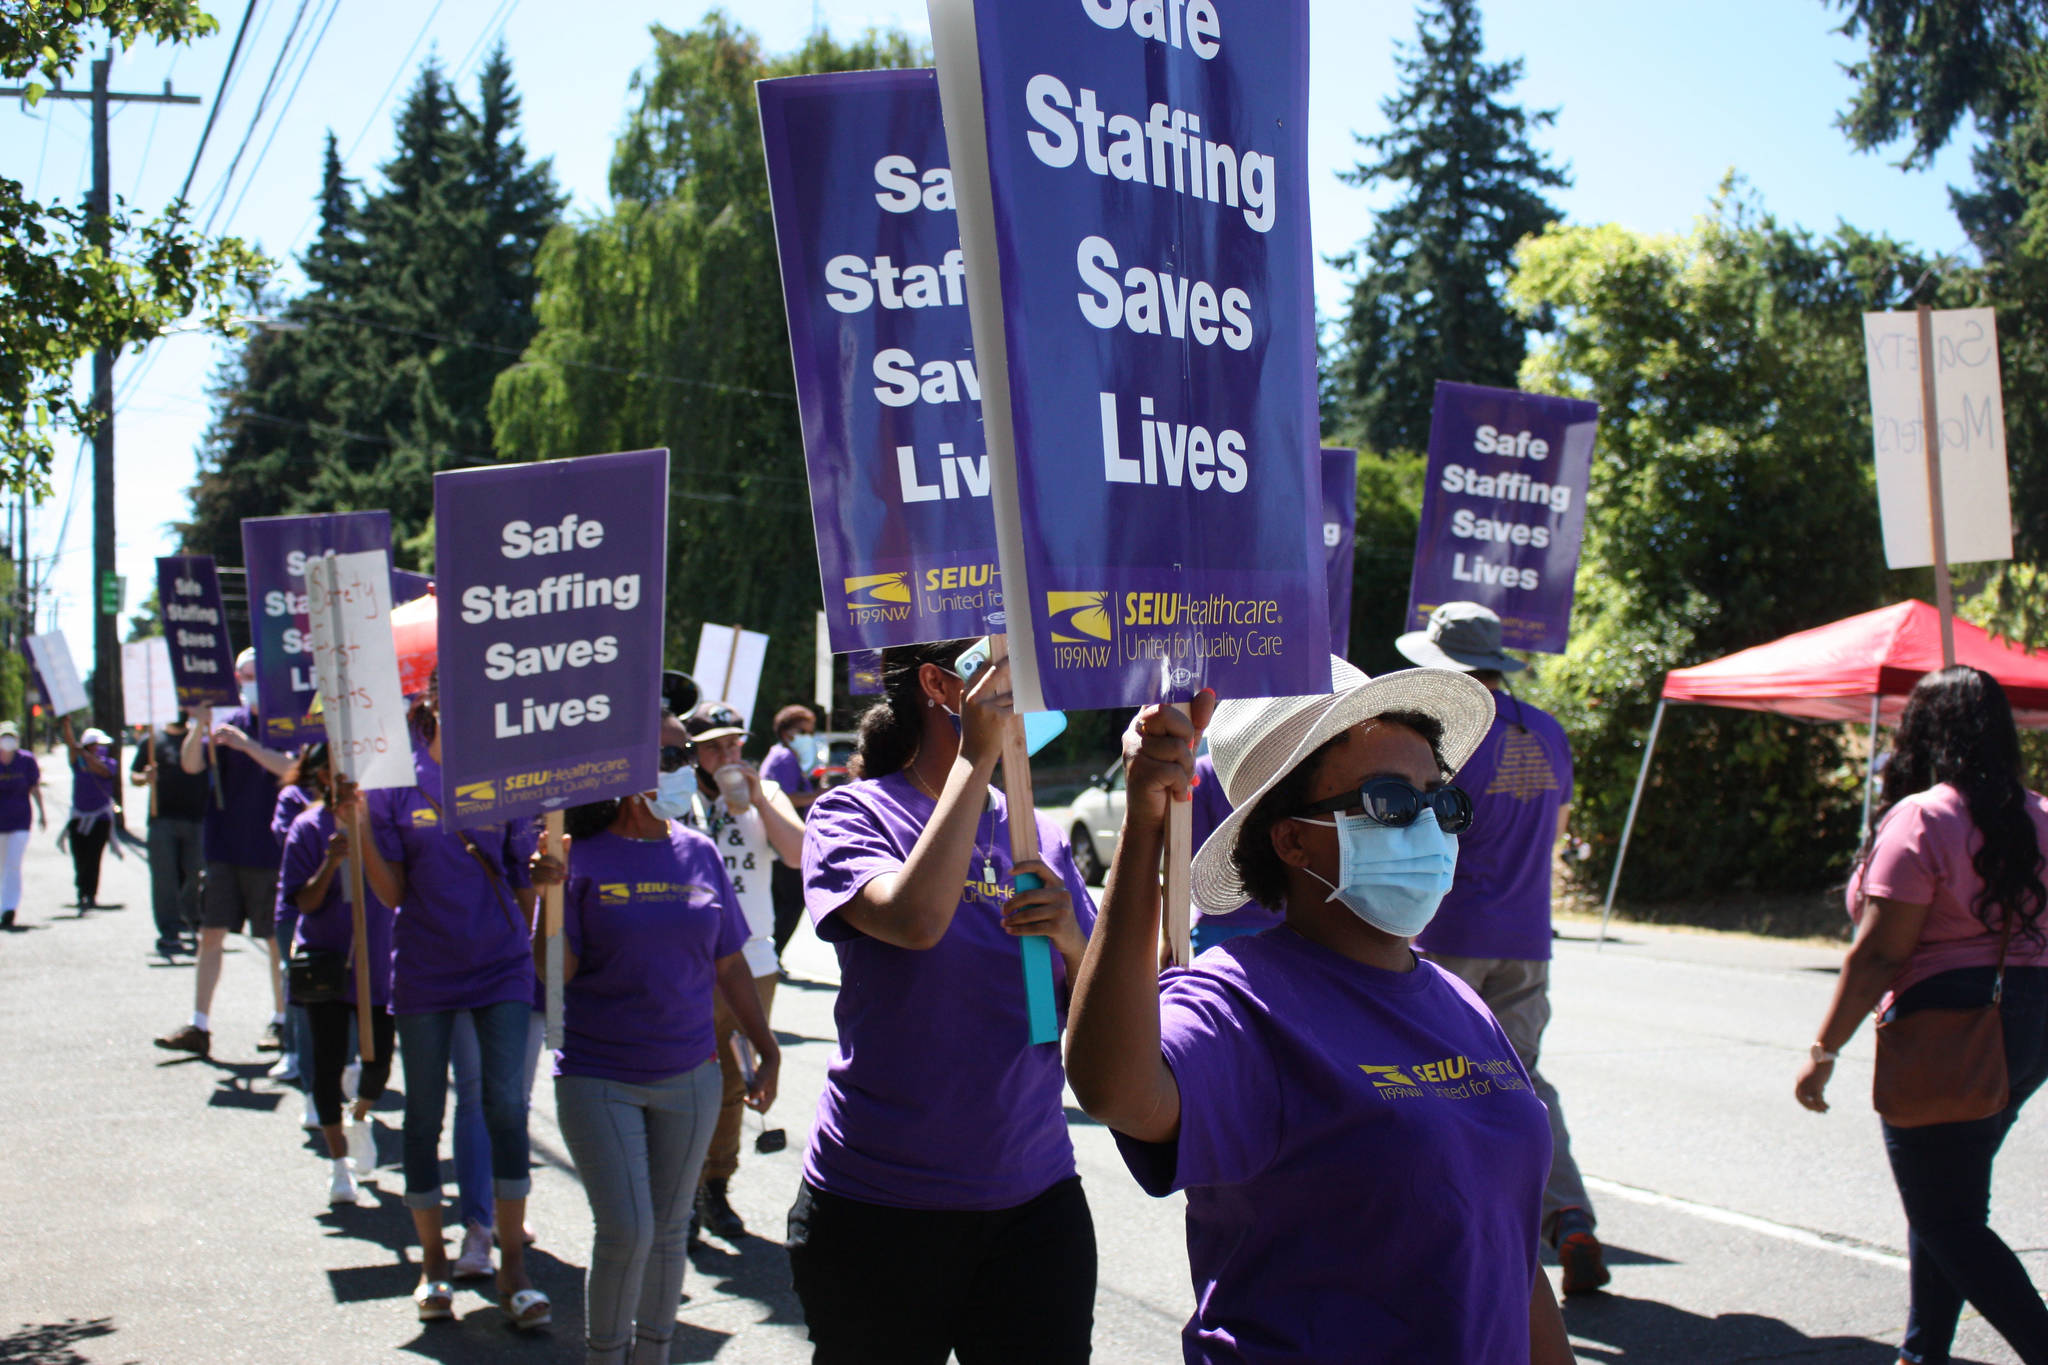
x=1784 y=1232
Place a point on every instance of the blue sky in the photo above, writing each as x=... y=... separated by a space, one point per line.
x=1656 y=102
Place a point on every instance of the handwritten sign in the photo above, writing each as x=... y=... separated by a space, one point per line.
x=728 y=667
x=148 y=694
x=276 y=551
x=52 y=657
x=1969 y=401
x=348 y=612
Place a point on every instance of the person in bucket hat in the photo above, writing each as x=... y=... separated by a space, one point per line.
x=1362 y=1152
x=1493 y=930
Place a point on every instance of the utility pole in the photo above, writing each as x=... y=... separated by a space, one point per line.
x=106 y=635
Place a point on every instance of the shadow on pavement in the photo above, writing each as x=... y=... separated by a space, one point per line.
x=236 y=1089
x=1616 y=1255
x=755 y=1269
x=52 y=1343
x=1611 y=1327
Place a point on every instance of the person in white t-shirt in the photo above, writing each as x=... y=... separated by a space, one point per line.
x=754 y=825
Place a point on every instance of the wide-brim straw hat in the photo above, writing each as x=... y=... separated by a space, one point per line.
x=1255 y=743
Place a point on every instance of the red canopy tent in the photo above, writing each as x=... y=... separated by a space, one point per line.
x=1857 y=670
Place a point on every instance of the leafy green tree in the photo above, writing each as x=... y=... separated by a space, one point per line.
x=74 y=285
x=662 y=325
x=1931 y=63
x=1427 y=291
x=380 y=375
x=1732 y=501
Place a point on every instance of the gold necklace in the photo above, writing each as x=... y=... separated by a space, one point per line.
x=988 y=856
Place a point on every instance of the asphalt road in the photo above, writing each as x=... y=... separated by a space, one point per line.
x=158 y=1210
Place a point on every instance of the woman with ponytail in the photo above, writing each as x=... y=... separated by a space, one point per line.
x=939 y=1209
x=1949 y=900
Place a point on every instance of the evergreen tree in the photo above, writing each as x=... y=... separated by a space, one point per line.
x=1427 y=295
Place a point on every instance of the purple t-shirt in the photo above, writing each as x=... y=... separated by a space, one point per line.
x=1519 y=778
x=782 y=767
x=459 y=941
x=17 y=779
x=1211 y=808
x=935 y=1099
x=1363 y=1159
x=292 y=802
x=331 y=927
x=648 y=922
x=237 y=827
x=89 y=791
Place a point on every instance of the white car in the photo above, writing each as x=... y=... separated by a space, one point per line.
x=1094 y=821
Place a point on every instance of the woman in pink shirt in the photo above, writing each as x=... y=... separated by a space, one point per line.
x=1956 y=859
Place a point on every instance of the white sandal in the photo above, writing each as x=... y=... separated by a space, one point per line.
x=435 y=1300
x=528 y=1309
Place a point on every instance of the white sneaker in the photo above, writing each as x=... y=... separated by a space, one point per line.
x=351 y=1078
x=312 y=1118
x=286 y=1069
x=342 y=1188
x=362 y=1145
x=475 y=1261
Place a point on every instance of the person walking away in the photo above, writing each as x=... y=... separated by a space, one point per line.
x=789 y=763
x=238 y=888
x=940 y=1210
x=1361 y=1151
x=21 y=780
x=653 y=932
x=1948 y=899
x=750 y=819
x=177 y=808
x=1493 y=930
x=315 y=858
x=92 y=807
x=461 y=945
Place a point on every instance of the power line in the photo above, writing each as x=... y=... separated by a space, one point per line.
x=262 y=103
x=504 y=8
x=213 y=115
x=312 y=51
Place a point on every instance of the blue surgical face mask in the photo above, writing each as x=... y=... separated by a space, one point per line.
x=248 y=690
x=1392 y=878
x=673 y=793
x=805 y=747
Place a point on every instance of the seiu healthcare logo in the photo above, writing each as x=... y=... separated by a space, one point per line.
x=1445 y=1078
x=1078 y=618
x=878 y=597
x=469 y=794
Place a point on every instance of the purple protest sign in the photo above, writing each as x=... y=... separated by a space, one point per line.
x=885 y=366
x=1340 y=531
x=864 y=673
x=275 y=550
x=196 y=631
x=1133 y=191
x=550 y=578
x=1503 y=510
x=407 y=586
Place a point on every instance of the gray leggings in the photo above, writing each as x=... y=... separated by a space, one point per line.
x=639 y=1149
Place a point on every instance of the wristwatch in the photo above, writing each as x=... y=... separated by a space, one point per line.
x=1821 y=1054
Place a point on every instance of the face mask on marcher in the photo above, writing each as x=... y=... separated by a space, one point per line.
x=805 y=747
x=673 y=793
x=1392 y=878
x=249 y=694
x=8 y=744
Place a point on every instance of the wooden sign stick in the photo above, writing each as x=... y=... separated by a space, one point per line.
x=551 y=928
x=1041 y=1009
x=1930 y=428
x=1177 y=921
x=338 y=716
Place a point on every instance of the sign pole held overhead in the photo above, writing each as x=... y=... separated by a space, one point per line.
x=1930 y=429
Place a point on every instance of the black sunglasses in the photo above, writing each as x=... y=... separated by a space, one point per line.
x=674 y=757
x=1390 y=801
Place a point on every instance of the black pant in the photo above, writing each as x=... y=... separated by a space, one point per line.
x=88 y=842
x=329 y=1023
x=174 y=863
x=786 y=886
x=889 y=1286
x=1943 y=1173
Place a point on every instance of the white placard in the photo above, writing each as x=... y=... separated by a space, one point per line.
x=149 y=694
x=60 y=676
x=821 y=689
x=349 y=610
x=728 y=667
x=1976 y=500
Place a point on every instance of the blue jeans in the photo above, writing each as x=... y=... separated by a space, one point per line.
x=472 y=1137
x=1943 y=1172
x=426 y=1042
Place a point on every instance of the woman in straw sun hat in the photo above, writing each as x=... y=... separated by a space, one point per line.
x=1362 y=1153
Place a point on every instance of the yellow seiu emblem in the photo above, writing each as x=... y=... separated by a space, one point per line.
x=613 y=893
x=1078 y=618
x=476 y=791
x=1387 y=1077
x=878 y=590
x=426 y=815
